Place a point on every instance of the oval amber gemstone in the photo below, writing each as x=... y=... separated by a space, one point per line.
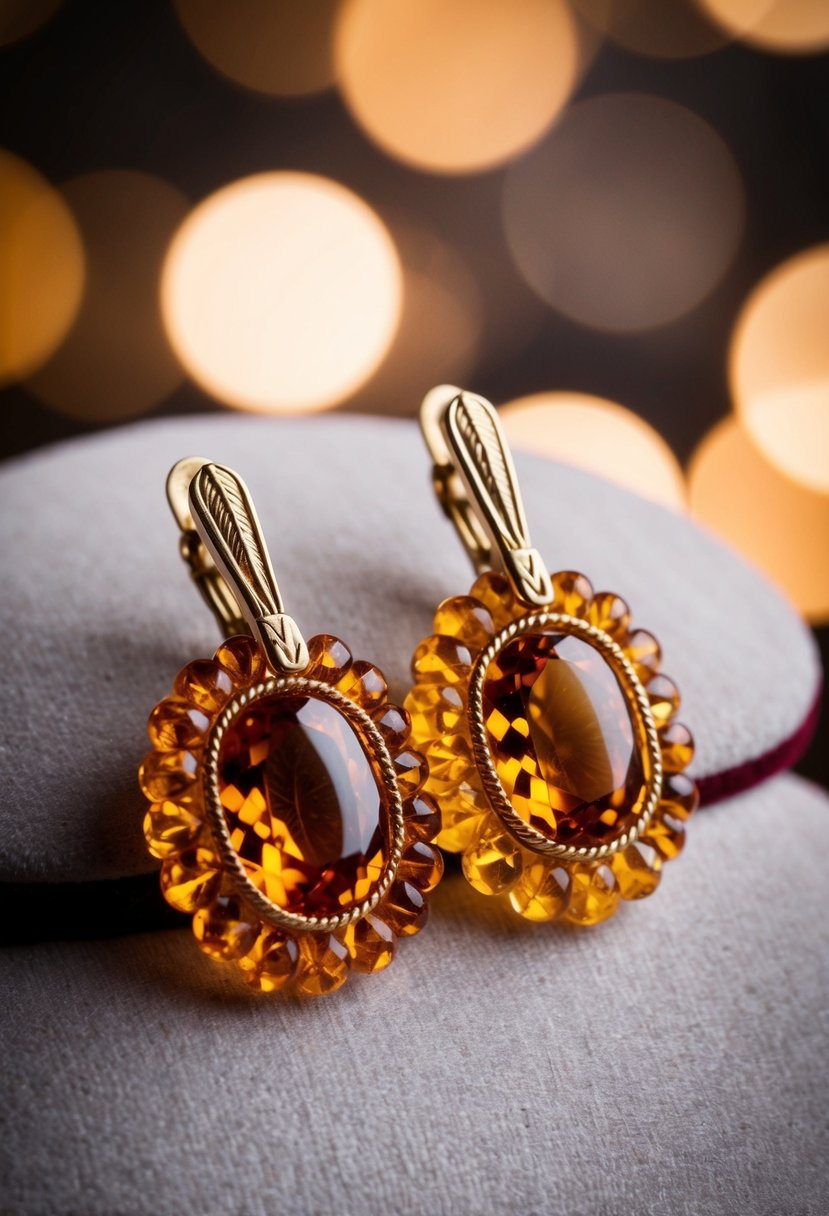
x=563 y=740
x=305 y=811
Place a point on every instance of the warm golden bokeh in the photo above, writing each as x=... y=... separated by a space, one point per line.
x=41 y=268
x=781 y=526
x=282 y=48
x=628 y=215
x=456 y=88
x=779 y=366
x=661 y=29
x=20 y=18
x=790 y=27
x=282 y=292
x=599 y=436
x=116 y=361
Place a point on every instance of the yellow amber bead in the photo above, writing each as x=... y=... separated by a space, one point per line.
x=434 y=711
x=466 y=619
x=663 y=695
x=493 y=590
x=272 y=961
x=462 y=817
x=365 y=684
x=412 y=770
x=643 y=651
x=404 y=909
x=169 y=776
x=677 y=745
x=610 y=613
x=170 y=828
x=175 y=725
x=323 y=964
x=572 y=593
x=594 y=895
x=680 y=796
x=542 y=891
x=637 y=869
x=204 y=684
x=329 y=658
x=225 y=928
x=191 y=879
x=441 y=660
x=422 y=865
x=493 y=861
x=422 y=817
x=370 y=944
x=450 y=758
x=393 y=724
x=666 y=832
x=242 y=660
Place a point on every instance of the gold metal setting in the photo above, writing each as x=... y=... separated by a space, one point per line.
x=636 y=698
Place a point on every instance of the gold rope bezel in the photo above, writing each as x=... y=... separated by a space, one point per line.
x=636 y=698
x=367 y=732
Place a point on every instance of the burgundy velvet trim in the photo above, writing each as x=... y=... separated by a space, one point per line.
x=752 y=772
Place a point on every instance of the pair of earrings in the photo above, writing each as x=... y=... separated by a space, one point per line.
x=296 y=810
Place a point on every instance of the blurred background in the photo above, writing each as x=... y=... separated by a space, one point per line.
x=609 y=216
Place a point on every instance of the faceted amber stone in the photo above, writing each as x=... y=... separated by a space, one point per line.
x=204 y=684
x=572 y=593
x=563 y=740
x=466 y=619
x=370 y=943
x=422 y=865
x=224 y=928
x=422 y=817
x=434 y=711
x=272 y=961
x=462 y=817
x=610 y=613
x=412 y=770
x=637 y=869
x=542 y=891
x=677 y=745
x=242 y=660
x=305 y=810
x=170 y=828
x=365 y=684
x=594 y=895
x=644 y=652
x=329 y=658
x=175 y=725
x=450 y=758
x=442 y=660
x=493 y=862
x=169 y=776
x=493 y=590
x=393 y=724
x=663 y=695
x=323 y=964
x=404 y=909
x=191 y=879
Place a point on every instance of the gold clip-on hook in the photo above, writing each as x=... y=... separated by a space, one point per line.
x=476 y=483
x=222 y=544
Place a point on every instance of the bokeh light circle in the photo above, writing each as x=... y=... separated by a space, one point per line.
x=779 y=367
x=460 y=87
x=628 y=215
x=115 y=361
x=772 y=520
x=599 y=436
x=41 y=268
x=790 y=27
x=282 y=292
x=280 y=47
x=660 y=29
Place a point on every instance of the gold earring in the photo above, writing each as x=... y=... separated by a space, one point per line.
x=286 y=803
x=553 y=748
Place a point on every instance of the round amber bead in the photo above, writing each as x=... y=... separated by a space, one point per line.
x=594 y=895
x=637 y=870
x=272 y=961
x=435 y=711
x=404 y=909
x=611 y=614
x=204 y=684
x=666 y=832
x=329 y=658
x=442 y=660
x=364 y=684
x=422 y=865
x=225 y=928
x=663 y=695
x=422 y=817
x=242 y=660
x=170 y=828
x=493 y=862
x=466 y=619
x=462 y=818
x=493 y=590
x=677 y=745
x=370 y=943
x=323 y=964
x=572 y=593
x=412 y=770
x=393 y=724
x=680 y=795
x=169 y=776
x=450 y=757
x=175 y=725
x=191 y=879
x=542 y=891
x=644 y=652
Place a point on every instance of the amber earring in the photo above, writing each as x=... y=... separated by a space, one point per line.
x=553 y=748
x=285 y=799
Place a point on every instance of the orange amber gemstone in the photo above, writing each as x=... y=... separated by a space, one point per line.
x=594 y=895
x=323 y=964
x=572 y=593
x=542 y=891
x=191 y=879
x=329 y=658
x=422 y=817
x=204 y=684
x=168 y=775
x=224 y=928
x=421 y=865
x=370 y=943
x=495 y=593
x=492 y=862
x=610 y=613
x=412 y=770
x=170 y=828
x=175 y=725
x=242 y=660
x=305 y=811
x=271 y=962
x=466 y=619
x=404 y=909
x=563 y=739
x=637 y=870
x=441 y=659
x=677 y=744
x=393 y=724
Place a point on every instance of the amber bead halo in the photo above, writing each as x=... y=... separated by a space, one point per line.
x=553 y=747
x=289 y=816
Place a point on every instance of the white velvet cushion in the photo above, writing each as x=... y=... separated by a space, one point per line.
x=670 y=1063
x=98 y=612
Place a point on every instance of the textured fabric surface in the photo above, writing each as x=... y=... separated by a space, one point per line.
x=100 y=613
x=670 y=1063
